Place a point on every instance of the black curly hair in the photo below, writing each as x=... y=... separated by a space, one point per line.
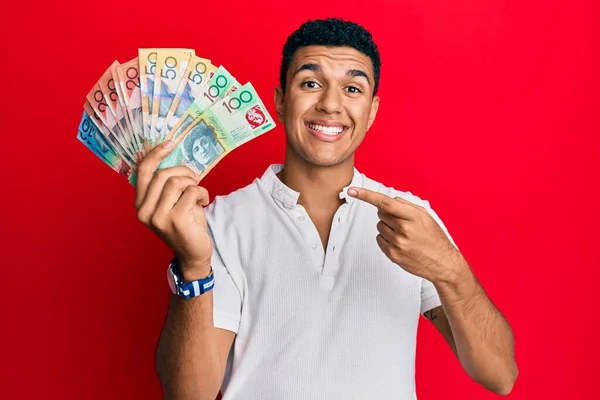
x=332 y=32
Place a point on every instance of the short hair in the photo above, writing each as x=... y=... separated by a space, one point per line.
x=330 y=32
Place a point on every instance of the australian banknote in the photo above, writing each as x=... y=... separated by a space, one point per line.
x=128 y=75
x=147 y=59
x=99 y=103
x=110 y=136
x=170 y=68
x=197 y=74
x=231 y=122
x=90 y=135
x=220 y=85
x=108 y=85
x=169 y=94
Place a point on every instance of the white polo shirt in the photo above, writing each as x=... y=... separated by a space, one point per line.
x=313 y=323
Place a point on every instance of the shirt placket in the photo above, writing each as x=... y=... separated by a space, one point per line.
x=324 y=261
x=336 y=235
x=312 y=240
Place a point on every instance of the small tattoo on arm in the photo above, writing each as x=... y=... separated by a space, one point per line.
x=430 y=315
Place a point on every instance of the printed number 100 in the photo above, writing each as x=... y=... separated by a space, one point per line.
x=236 y=102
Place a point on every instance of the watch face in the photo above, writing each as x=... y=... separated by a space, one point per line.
x=171 y=280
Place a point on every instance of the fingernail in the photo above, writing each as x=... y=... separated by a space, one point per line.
x=169 y=144
x=352 y=192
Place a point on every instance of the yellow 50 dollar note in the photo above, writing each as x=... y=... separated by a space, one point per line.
x=170 y=67
x=197 y=74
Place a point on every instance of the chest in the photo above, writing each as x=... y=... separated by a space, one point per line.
x=290 y=273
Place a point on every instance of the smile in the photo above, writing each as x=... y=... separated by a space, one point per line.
x=326 y=131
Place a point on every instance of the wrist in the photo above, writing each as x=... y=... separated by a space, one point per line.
x=451 y=269
x=457 y=281
x=193 y=271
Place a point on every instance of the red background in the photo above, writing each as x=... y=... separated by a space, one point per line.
x=489 y=110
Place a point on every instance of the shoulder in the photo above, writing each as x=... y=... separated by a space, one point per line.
x=240 y=201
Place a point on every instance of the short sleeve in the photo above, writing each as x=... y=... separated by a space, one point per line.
x=429 y=295
x=227 y=299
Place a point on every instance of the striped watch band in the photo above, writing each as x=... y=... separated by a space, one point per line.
x=191 y=289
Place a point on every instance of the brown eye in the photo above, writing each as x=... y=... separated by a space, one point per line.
x=353 y=89
x=309 y=84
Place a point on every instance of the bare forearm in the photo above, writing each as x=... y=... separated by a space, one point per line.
x=187 y=359
x=483 y=338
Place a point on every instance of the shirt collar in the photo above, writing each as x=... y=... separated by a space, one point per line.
x=289 y=197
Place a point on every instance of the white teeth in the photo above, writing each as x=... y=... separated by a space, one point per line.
x=328 y=130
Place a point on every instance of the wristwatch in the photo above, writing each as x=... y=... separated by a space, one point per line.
x=187 y=290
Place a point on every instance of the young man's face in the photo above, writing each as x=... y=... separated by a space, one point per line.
x=328 y=105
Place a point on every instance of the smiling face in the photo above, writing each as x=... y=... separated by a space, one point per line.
x=328 y=105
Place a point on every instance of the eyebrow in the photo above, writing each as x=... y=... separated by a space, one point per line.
x=316 y=68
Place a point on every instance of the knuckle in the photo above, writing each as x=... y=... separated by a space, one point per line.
x=408 y=230
x=177 y=221
x=158 y=221
x=145 y=168
x=143 y=216
x=182 y=170
x=198 y=190
x=400 y=242
x=172 y=182
x=204 y=191
x=163 y=174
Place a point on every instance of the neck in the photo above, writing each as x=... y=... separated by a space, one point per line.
x=319 y=186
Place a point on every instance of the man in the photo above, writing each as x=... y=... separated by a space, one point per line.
x=320 y=274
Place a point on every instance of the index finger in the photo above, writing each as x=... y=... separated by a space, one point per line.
x=149 y=165
x=383 y=202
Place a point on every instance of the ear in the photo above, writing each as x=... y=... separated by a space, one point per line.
x=373 y=112
x=279 y=103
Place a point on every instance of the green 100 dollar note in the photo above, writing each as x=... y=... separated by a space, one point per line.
x=231 y=122
x=220 y=85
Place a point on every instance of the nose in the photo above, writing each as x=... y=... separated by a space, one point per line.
x=330 y=101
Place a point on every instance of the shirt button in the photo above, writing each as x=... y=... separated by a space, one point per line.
x=301 y=218
x=279 y=191
x=314 y=246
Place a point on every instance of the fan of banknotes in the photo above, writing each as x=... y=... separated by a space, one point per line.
x=169 y=94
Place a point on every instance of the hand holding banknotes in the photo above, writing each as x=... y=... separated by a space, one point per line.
x=170 y=202
x=169 y=94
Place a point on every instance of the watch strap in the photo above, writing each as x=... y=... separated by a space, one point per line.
x=194 y=288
